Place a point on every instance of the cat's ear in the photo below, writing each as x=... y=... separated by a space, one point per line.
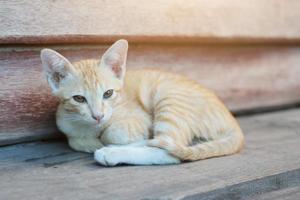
x=115 y=58
x=56 y=67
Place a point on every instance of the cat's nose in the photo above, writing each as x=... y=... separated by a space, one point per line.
x=98 y=117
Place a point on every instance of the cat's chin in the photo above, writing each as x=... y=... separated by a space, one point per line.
x=98 y=125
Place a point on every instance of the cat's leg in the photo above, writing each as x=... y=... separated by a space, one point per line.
x=88 y=145
x=171 y=135
x=134 y=155
x=140 y=143
x=180 y=119
x=226 y=144
x=124 y=132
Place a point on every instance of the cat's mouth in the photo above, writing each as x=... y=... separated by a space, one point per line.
x=99 y=123
x=98 y=118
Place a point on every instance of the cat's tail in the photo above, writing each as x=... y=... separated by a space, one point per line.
x=229 y=143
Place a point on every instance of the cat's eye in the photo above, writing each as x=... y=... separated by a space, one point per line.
x=79 y=98
x=108 y=93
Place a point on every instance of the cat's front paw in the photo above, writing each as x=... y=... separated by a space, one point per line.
x=107 y=156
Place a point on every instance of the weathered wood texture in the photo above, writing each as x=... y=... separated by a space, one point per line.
x=50 y=170
x=285 y=185
x=91 y=21
x=244 y=77
x=292 y=193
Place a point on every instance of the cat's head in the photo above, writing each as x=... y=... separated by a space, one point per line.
x=88 y=89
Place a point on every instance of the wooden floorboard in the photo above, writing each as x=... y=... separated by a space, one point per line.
x=50 y=170
x=273 y=186
x=292 y=193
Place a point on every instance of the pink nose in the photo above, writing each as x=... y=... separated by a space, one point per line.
x=97 y=117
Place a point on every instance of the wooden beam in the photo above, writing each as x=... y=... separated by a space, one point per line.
x=244 y=78
x=44 y=22
x=269 y=163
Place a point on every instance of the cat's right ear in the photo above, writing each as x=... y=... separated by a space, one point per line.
x=56 y=67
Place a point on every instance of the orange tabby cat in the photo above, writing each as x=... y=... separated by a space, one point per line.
x=146 y=117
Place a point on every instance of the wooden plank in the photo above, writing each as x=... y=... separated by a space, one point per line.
x=284 y=185
x=244 y=77
x=149 y=21
x=52 y=170
x=285 y=194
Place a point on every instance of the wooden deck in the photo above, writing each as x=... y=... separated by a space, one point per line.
x=268 y=168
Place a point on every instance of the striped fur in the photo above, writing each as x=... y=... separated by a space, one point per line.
x=166 y=110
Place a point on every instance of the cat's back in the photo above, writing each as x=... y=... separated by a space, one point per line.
x=149 y=86
x=153 y=79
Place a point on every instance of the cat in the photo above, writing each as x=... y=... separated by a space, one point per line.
x=145 y=117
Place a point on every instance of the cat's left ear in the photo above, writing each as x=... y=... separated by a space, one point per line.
x=115 y=58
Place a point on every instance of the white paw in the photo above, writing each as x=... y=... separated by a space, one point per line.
x=107 y=156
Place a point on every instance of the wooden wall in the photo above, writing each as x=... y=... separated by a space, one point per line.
x=180 y=21
x=248 y=52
